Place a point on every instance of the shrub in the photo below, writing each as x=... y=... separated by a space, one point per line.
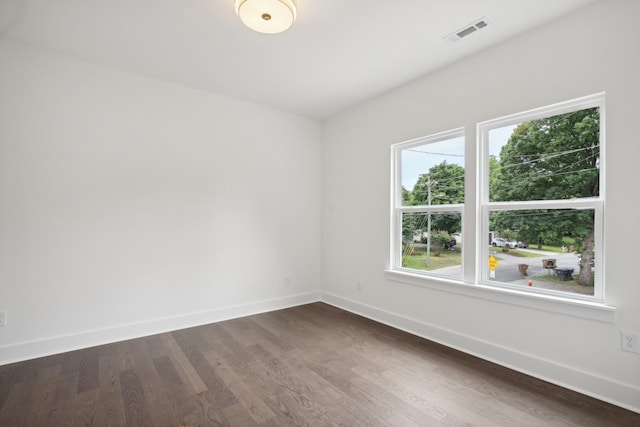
x=439 y=239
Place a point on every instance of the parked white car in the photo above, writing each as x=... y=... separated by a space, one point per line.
x=499 y=242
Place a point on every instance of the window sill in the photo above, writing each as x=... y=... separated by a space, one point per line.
x=569 y=307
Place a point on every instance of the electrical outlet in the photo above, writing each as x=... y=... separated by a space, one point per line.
x=3 y=318
x=359 y=285
x=629 y=342
x=287 y=280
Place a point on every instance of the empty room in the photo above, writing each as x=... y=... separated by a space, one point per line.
x=319 y=212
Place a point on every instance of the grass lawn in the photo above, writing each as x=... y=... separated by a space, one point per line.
x=554 y=279
x=566 y=241
x=552 y=282
x=513 y=252
x=418 y=259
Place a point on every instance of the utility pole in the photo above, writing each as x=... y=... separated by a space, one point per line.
x=428 y=220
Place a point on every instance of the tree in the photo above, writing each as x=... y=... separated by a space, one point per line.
x=443 y=184
x=439 y=240
x=554 y=158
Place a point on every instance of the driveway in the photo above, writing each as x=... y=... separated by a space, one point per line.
x=508 y=271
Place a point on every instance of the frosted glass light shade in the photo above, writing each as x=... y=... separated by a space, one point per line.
x=267 y=16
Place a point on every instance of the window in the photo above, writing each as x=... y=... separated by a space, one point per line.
x=542 y=187
x=537 y=220
x=428 y=199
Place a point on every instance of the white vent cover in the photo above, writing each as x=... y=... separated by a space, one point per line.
x=478 y=24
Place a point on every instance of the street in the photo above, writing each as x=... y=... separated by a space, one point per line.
x=507 y=270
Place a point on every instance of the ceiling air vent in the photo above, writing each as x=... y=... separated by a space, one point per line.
x=478 y=24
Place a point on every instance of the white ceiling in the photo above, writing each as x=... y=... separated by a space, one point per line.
x=337 y=54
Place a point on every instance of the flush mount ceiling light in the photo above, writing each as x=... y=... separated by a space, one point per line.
x=267 y=16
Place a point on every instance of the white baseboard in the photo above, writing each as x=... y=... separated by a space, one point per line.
x=54 y=345
x=623 y=395
x=607 y=390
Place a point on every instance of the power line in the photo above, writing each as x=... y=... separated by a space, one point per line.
x=540 y=158
x=413 y=150
x=546 y=156
x=560 y=153
x=558 y=172
x=553 y=212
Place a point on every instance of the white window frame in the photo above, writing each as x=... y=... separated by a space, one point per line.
x=473 y=283
x=485 y=207
x=397 y=208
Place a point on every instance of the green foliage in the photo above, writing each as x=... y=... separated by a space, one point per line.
x=409 y=225
x=494 y=171
x=551 y=226
x=554 y=158
x=550 y=159
x=439 y=239
x=406 y=196
x=418 y=261
x=446 y=184
x=443 y=184
x=509 y=234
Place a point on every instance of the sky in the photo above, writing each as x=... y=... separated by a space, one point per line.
x=418 y=160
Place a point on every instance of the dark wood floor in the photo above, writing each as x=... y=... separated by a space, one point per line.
x=312 y=365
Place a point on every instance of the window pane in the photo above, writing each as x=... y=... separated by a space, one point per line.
x=554 y=158
x=556 y=246
x=432 y=242
x=433 y=173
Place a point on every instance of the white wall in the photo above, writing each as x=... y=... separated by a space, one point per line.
x=592 y=50
x=130 y=206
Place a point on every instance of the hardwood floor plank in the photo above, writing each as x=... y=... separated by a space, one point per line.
x=398 y=420
x=430 y=409
x=228 y=415
x=8 y=379
x=227 y=345
x=154 y=388
x=215 y=385
x=155 y=345
x=303 y=342
x=317 y=399
x=88 y=375
x=137 y=411
x=266 y=335
x=42 y=398
x=186 y=371
x=312 y=365
x=110 y=411
x=71 y=361
x=187 y=411
x=167 y=371
x=372 y=398
x=124 y=353
x=85 y=407
x=60 y=413
x=259 y=411
x=465 y=403
x=11 y=414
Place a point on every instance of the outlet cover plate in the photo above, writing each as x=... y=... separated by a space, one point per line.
x=629 y=342
x=3 y=318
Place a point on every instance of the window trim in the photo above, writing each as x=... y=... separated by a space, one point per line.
x=600 y=312
x=397 y=208
x=484 y=206
x=594 y=308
